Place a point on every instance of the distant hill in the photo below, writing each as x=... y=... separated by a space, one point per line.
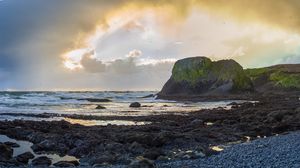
x=278 y=78
x=202 y=76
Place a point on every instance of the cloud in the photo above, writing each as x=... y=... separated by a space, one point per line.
x=91 y=64
x=280 y=13
x=134 y=53
x=32 y=41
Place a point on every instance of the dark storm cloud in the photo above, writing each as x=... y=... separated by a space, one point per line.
x=34 y=33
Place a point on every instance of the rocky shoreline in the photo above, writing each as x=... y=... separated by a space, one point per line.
x=276 y=151
x=168 y=137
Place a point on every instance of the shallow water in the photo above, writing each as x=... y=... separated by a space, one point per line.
x=25 y=146
x=69 y=103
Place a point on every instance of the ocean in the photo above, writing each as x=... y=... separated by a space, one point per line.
x=26 y=105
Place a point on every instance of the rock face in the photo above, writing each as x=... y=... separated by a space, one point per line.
x=201 y=76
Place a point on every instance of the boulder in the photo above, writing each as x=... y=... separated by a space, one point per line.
x=197 y=122
x=24 y=157
x=201 y=76
x=105 y=159
x=100 y=107
x=12 y=144
x=135 y=105
x=95 y=100
x=136 y=148
x=41 y=161
x=153 y=153
x=149 y=96
x=141 y=162
x=66 y=163
x=6 y=152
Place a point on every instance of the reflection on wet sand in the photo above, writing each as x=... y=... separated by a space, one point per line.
x=103 y=123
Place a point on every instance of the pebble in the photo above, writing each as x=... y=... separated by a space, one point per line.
x=277 y=151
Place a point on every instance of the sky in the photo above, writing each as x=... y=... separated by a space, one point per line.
x=133 y=44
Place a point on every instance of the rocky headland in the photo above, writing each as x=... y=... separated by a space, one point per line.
x=199 y=78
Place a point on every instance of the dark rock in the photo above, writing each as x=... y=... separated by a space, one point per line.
x=197 y=122
x=46 y=145
x=100 y=107
x=66 y=164
x=41 y=161
x=148 y=96
x=95 y=100
x=141 y=162
x=190 y=155
x=12 y=144
x=104 y=159
x=147 y=106
x=278 y=115
x=136 y=148
x=50 y=145
x=153 y=153
x=6 y=152
x=135 y=105
x=233 y=104
x=24 y=157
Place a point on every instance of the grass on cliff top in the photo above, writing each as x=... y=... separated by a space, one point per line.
x=286 y=80
x=278 y=77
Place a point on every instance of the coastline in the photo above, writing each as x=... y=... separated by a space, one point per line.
x=167 y=137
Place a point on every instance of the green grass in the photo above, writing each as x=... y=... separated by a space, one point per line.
x=255 y=73
x=279 y=78
x=286 y=80
x=191 y=72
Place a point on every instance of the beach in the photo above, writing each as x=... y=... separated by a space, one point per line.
x=162 y=139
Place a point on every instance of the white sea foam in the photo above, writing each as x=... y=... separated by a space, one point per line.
x=70 y=103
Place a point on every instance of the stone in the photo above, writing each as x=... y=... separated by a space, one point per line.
x=95 y=100
x=24 y=157
x=100 y=107
x=153 y=153
x=105 y=158
x=148 y=96
x=190 y=154
x=136 y=148
x=12 y=144
x=135 y=105
x=41 y=161
x=66 y=163
x=141 y=162
x=197 y=122
x=6 y=152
